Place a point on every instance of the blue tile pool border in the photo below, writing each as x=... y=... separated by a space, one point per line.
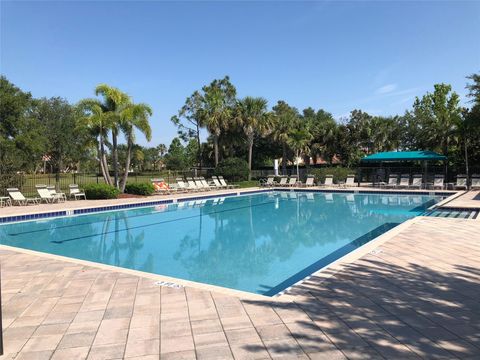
x=27 y=217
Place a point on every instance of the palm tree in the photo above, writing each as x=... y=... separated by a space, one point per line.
x=299 y=141
x=134 y=116
x=254 y=119
x=96 y=122
x=284 y=118
x=114 y=102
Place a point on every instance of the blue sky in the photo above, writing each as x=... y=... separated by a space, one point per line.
x=375 y=56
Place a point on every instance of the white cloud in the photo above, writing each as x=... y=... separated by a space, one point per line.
x=386 y=89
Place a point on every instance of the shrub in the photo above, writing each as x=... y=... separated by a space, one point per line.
x=339 y=173
x=140 y=189
x=233 y=169
x=101 y=191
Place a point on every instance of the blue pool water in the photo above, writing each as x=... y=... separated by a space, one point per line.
x=260 y=243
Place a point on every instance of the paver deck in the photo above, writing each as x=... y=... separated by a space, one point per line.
x=470 y=199
x=415 y=296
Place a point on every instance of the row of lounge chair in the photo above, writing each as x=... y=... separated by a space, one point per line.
x=404 y=181
x=191 y=184
x=46 y=194
x=286 y=181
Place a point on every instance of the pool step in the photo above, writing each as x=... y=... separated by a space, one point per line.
x=454 y=213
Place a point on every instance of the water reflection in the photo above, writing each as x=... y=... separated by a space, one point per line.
x=250 y=243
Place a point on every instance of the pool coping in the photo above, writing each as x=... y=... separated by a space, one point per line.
x=286 y=295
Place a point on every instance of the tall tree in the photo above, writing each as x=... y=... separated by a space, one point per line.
x=284 y=119
x=189 y=120
x=299 y=141
x=134 y=117
x=218 y=103
x=114 y=103
x=252 y=115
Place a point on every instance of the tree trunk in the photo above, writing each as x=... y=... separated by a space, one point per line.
x=127 y=166
x=250 y=153
x=284 y=159
x=103 y=162
x=199 y=152
x=297 y=157
x=215 y=145
x=115 y=157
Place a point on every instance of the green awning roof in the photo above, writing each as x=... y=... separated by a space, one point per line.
x=404 y=156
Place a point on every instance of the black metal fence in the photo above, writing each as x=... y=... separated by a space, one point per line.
x=26 y=182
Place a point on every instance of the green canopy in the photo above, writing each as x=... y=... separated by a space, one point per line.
x=404 y=156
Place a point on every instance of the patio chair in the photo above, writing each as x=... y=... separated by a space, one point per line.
x=404 y=181
x=310 y=181
x=45 y=195
x=292 y=181
x=75 y=192
x=283 y=181
x=59 y=195
x=269 y=181
x=19 y=199
x=206 y=185
x=416 y=181
x=217 y=183
x=349 y=181
x=461 y=183
x=181 y=186
x=224 y=183
x=475 y=182
x=392 y=181
x=192 y=185
x=438 y=182
x=328 y=181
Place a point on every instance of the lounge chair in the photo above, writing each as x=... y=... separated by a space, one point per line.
x=328 y=181
x=270 y=181
x=181 y=186
x=224 y=183
x=192 y=185
x=404 y=181
x=475 y=182
x=392 y=181
x=292 y=181
x=349 y=181
x=283 y=181
x=206 y=185
x=461 y=183
x=310 y=181
x=45 y=195
x=416 y=182
x=19 y=199
x=217 y=184
x=75 y=192
x=162 y=187
x=438 y=182
x=59 y=195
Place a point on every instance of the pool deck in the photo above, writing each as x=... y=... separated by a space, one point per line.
x=399 y=297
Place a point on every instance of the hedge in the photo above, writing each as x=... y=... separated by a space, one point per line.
x=233 y=169
x=140 y=189
x=101 y=191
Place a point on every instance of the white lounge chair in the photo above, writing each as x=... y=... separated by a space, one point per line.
x=438 y=182
x=416 y=182
x=205 y=184
x=19 y=199
x=224 y=183
x=461 y=183
x=404 y=181
x=76 y=193
x=328 y=181
x=59 y=195
x=475 y=182
x=283 y=181
x=192 y=185
x=349 y=181
x=270 y=181
x=392 y=181
x=292 y=181
x=217 y=183
x=45 y=195
x=310 y=181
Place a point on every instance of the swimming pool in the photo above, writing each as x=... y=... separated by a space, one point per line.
x=260 y=243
